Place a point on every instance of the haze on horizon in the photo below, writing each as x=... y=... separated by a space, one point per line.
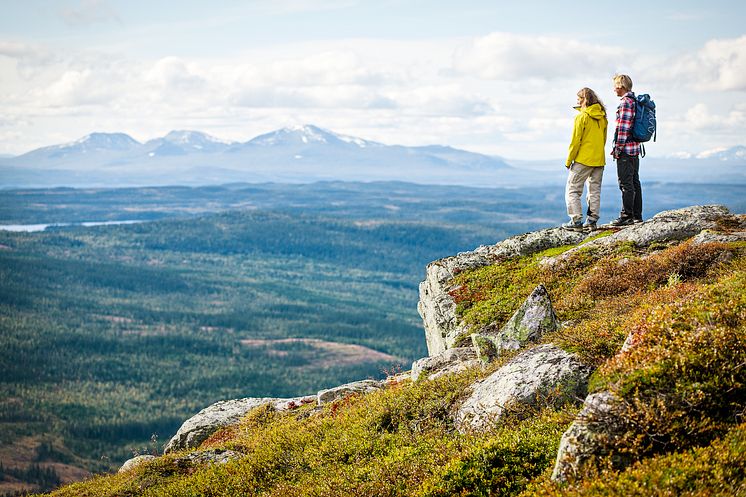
x=481 y=76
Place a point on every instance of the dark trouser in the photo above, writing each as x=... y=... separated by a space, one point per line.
x=628 y=174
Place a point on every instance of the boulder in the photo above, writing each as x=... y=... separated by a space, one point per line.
x=199 y=427
x=449 y=361
x=363 y=386
x=437 y=307
x=529 y=323
x=539 y=376
x=134 y=462
x=592 y=434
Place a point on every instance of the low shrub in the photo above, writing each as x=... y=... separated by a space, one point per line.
x=718 y=470
x=504 y=462
x=617 y=275
x=685 y=376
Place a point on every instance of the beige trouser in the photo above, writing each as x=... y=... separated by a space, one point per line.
x=580 y=174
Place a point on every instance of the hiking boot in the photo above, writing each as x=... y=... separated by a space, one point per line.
x=573 y=226
x=589 y=225
x=622 y=221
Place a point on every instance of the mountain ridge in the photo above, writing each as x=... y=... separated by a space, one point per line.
x=308 y=153
x=292 y=154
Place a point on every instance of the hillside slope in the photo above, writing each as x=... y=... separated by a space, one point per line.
x=653 y=318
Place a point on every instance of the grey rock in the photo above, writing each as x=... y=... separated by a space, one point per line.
x=677 y=224
x=436 y=305
x=539 y=376
x=449 y=361
x=363 y=386
x=531 y=243
x=199 y=427
x=593 y=434
x=710 y=236
x=135 y=462
x=529 y=323
x=673 y=225
x=290 y=404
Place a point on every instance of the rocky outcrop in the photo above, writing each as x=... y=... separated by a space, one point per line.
x=449 y=361
x=666 y=226
x=539 y=376
x=199 y=427
x=529 y=323
x=362 y=387
x=437 y=307
x=592 y=435
x=135 y=462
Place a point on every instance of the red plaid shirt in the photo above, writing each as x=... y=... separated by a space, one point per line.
x=625 y=116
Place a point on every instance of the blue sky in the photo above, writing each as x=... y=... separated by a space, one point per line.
x=493 y=77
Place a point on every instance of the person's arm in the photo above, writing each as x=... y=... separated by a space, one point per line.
x=577 y=134
x=625 y=116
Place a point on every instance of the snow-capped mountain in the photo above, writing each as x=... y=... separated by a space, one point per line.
x=95 y=143
x=737 y=153
x=304 y=154
x=307 y=135
x=185 y=142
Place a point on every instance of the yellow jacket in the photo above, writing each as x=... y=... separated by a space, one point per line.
x=588 y=137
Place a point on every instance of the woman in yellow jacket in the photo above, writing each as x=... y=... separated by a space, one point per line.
x=586 y=160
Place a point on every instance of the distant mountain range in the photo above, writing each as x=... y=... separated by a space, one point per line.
x=299 y=154
x=732 y=154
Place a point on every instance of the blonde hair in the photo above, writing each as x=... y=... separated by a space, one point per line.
x=623 y=81
x=588 y=97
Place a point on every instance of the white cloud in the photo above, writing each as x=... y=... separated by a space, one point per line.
x=77 y=88
x=719 y=65
x=446 y=99
x=508 y=56
x=325 y=68
x=173 y=74
x=700 y=117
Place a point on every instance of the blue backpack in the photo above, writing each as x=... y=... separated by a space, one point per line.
x=644 y=127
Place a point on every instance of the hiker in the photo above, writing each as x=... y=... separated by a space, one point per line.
x=586 y=160
x=626 y=152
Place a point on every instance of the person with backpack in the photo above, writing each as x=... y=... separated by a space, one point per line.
x=586 y=160
x=626 y=152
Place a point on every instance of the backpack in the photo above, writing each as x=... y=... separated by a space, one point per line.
x=643 y=129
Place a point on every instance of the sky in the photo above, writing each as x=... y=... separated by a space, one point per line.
x=496 y=77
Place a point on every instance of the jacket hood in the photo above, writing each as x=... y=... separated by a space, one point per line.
x=594 y=111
